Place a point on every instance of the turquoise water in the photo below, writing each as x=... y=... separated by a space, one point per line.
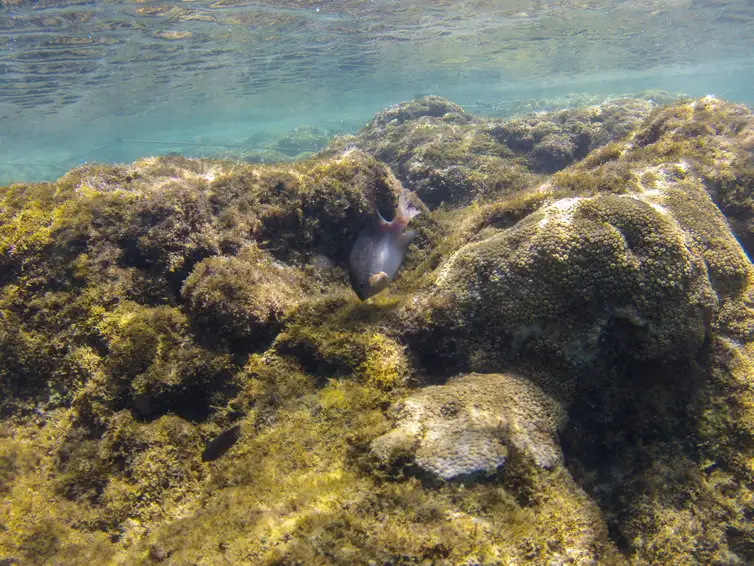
x=115 y=80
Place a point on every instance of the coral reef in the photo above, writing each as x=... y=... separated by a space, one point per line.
x=561 y=373
x=448 y=155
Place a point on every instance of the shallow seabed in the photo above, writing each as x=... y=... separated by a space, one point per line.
x=116 y=80
x=561 y=372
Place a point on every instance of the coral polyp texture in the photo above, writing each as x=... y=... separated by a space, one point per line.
x=470 y=424
x=560 y=373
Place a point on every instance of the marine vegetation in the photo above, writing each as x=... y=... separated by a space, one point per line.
x=560 y=373
x=447 y=155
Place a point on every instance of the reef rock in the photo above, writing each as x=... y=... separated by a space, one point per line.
x=716 y=139
x=243 y=296
x=472 y=423
x=518 y=107
x=624 y=254
x=577 y=271
x=147 y=307
x=448 y=155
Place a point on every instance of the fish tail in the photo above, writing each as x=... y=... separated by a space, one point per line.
x=405 y=208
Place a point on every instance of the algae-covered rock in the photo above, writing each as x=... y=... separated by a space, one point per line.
x=304 y=139
x=519 y=107
x=98 y=260
x=717 y=139
x=243 y=296
x=472 y=423
x=448 y=155
x=586 y=274
x=626 y=269
x=552 y=141
x=599 y=323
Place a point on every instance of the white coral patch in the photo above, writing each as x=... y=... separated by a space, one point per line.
x=469 y=425
x=561 y=211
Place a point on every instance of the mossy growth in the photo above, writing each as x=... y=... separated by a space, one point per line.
x=154 y=362
x=448 y=156
x=299 y=490
x=243 y=297
x=41 y=526
x=107 y=249
x=736 y=200
x=664 y=180
x=368 y=355
x=121 y=355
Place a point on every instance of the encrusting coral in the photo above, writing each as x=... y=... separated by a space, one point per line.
x=470 y=424
x=599 y=323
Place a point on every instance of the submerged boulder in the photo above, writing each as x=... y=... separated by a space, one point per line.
x=585 y=274
x=551 y=141
x=448 y=155
x=244 y=296
x=624 y=254
x=624 y=269
x=716 y=139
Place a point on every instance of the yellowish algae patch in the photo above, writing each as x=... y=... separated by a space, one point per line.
x=292 y=495
x=173 y=35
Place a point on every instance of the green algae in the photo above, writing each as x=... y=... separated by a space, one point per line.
x=447 y=155
x=148 y=307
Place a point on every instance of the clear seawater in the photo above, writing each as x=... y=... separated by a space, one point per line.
x=110 y=81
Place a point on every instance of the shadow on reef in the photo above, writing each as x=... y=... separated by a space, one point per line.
x=631 y=433
x=560 y=374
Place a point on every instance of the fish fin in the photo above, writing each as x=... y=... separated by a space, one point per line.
x=405 y=208
x=377 y=278
x=406 y=238
x=376 y=225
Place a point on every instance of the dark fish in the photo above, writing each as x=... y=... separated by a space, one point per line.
x=221 y=444
x=379 y=250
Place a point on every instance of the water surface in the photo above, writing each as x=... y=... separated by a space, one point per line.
x=114 y=80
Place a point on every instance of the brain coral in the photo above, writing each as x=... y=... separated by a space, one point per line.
x=472 y=423
x=585 y=275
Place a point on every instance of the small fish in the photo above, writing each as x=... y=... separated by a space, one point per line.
x=379 y=250
x=221 y=444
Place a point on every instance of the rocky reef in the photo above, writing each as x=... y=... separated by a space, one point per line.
x=561 y=374
x=450 y=156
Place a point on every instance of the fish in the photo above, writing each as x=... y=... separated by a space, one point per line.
x=221 y=444
x=379 y=250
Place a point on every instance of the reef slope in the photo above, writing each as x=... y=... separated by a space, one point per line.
x=561 y=374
